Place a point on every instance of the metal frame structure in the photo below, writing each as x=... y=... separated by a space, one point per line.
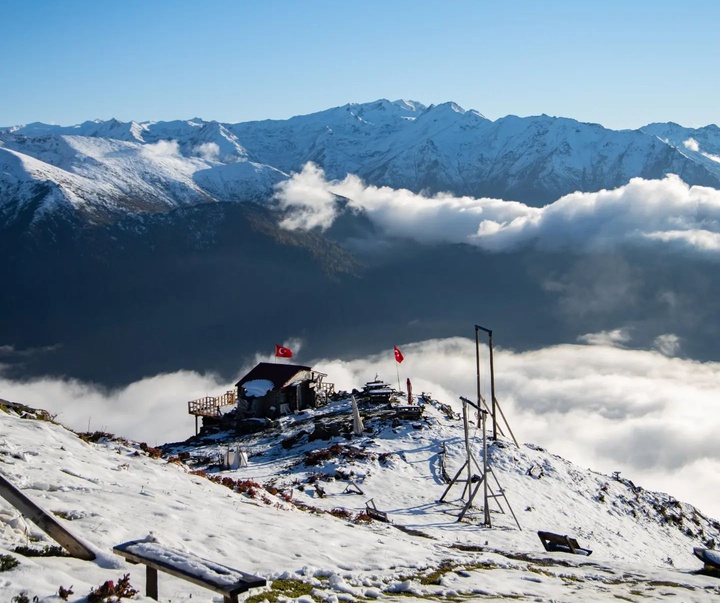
x=495 y=406
x=473 y=481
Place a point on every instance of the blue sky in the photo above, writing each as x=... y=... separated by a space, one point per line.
x=621 y=64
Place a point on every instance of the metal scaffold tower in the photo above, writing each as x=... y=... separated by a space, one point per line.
x=495 y=405
x=477 y=475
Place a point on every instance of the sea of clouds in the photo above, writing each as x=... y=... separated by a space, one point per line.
x=645 y=413
x=599 y=401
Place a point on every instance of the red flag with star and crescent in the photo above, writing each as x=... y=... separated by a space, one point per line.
x=282 y=352
x=398 y=355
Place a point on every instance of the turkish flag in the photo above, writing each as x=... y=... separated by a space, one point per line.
x=398 y=355
x=282 y=352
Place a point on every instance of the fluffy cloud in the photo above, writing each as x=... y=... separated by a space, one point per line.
x=209 y=151
x=668 y=344
x=692 y=145
x=605 y=407
x=641 y=212
x=166 y=159
x=701 y=240
x=616 y=337
x=162 y=149
x=308 y=200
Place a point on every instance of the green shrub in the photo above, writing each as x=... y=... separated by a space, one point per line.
x=49 y=550
x=282 y=589
x=7 y=562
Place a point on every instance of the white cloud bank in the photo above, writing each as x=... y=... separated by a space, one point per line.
x=667 y=211
x=649 y=415
x=153 y=410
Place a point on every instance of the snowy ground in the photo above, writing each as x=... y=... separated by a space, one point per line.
x=290 y=515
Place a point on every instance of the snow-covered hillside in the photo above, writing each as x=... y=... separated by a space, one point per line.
x=105 y=177
x=292 y=514
x=111 y=168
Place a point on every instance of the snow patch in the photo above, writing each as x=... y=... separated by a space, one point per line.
x=258 y=387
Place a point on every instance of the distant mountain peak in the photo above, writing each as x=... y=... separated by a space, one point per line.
x=450 y=105
x=410 y=105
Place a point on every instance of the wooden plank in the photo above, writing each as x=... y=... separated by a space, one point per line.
x=45 y=521
x=151 y=582
x=372 y=510
x=353 y=487
x=562 y=543
x=248 y=581
x=378 y=515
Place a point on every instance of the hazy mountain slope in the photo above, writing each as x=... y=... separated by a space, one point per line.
x=206 y=287
x=702 y=145
x=708 y=137
x=165 y=290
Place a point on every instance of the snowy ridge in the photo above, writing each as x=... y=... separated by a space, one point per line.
x=700 y=144
x=270 y=519
x=108 y=176
x=155 y=166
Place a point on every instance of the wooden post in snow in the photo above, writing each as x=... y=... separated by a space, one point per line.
x=46 y=522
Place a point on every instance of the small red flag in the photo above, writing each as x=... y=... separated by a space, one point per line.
x=398 y=355
x=282 y=352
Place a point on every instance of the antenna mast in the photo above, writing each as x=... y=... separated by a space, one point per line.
x=495 y=406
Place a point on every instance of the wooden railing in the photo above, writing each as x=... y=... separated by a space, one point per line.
x=324 y=391
x=328 y=388
x=209 y=406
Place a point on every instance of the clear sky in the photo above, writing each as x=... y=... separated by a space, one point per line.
x=619 y=63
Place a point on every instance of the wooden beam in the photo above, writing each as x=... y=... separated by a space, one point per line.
x=45 y=521
x=151 y=582
x=167 y=565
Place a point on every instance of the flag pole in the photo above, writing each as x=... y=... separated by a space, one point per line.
x=398 y=359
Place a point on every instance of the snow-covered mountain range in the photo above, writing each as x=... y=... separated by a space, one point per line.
x=295 y=515
x=107 y=169
x=165 y=238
